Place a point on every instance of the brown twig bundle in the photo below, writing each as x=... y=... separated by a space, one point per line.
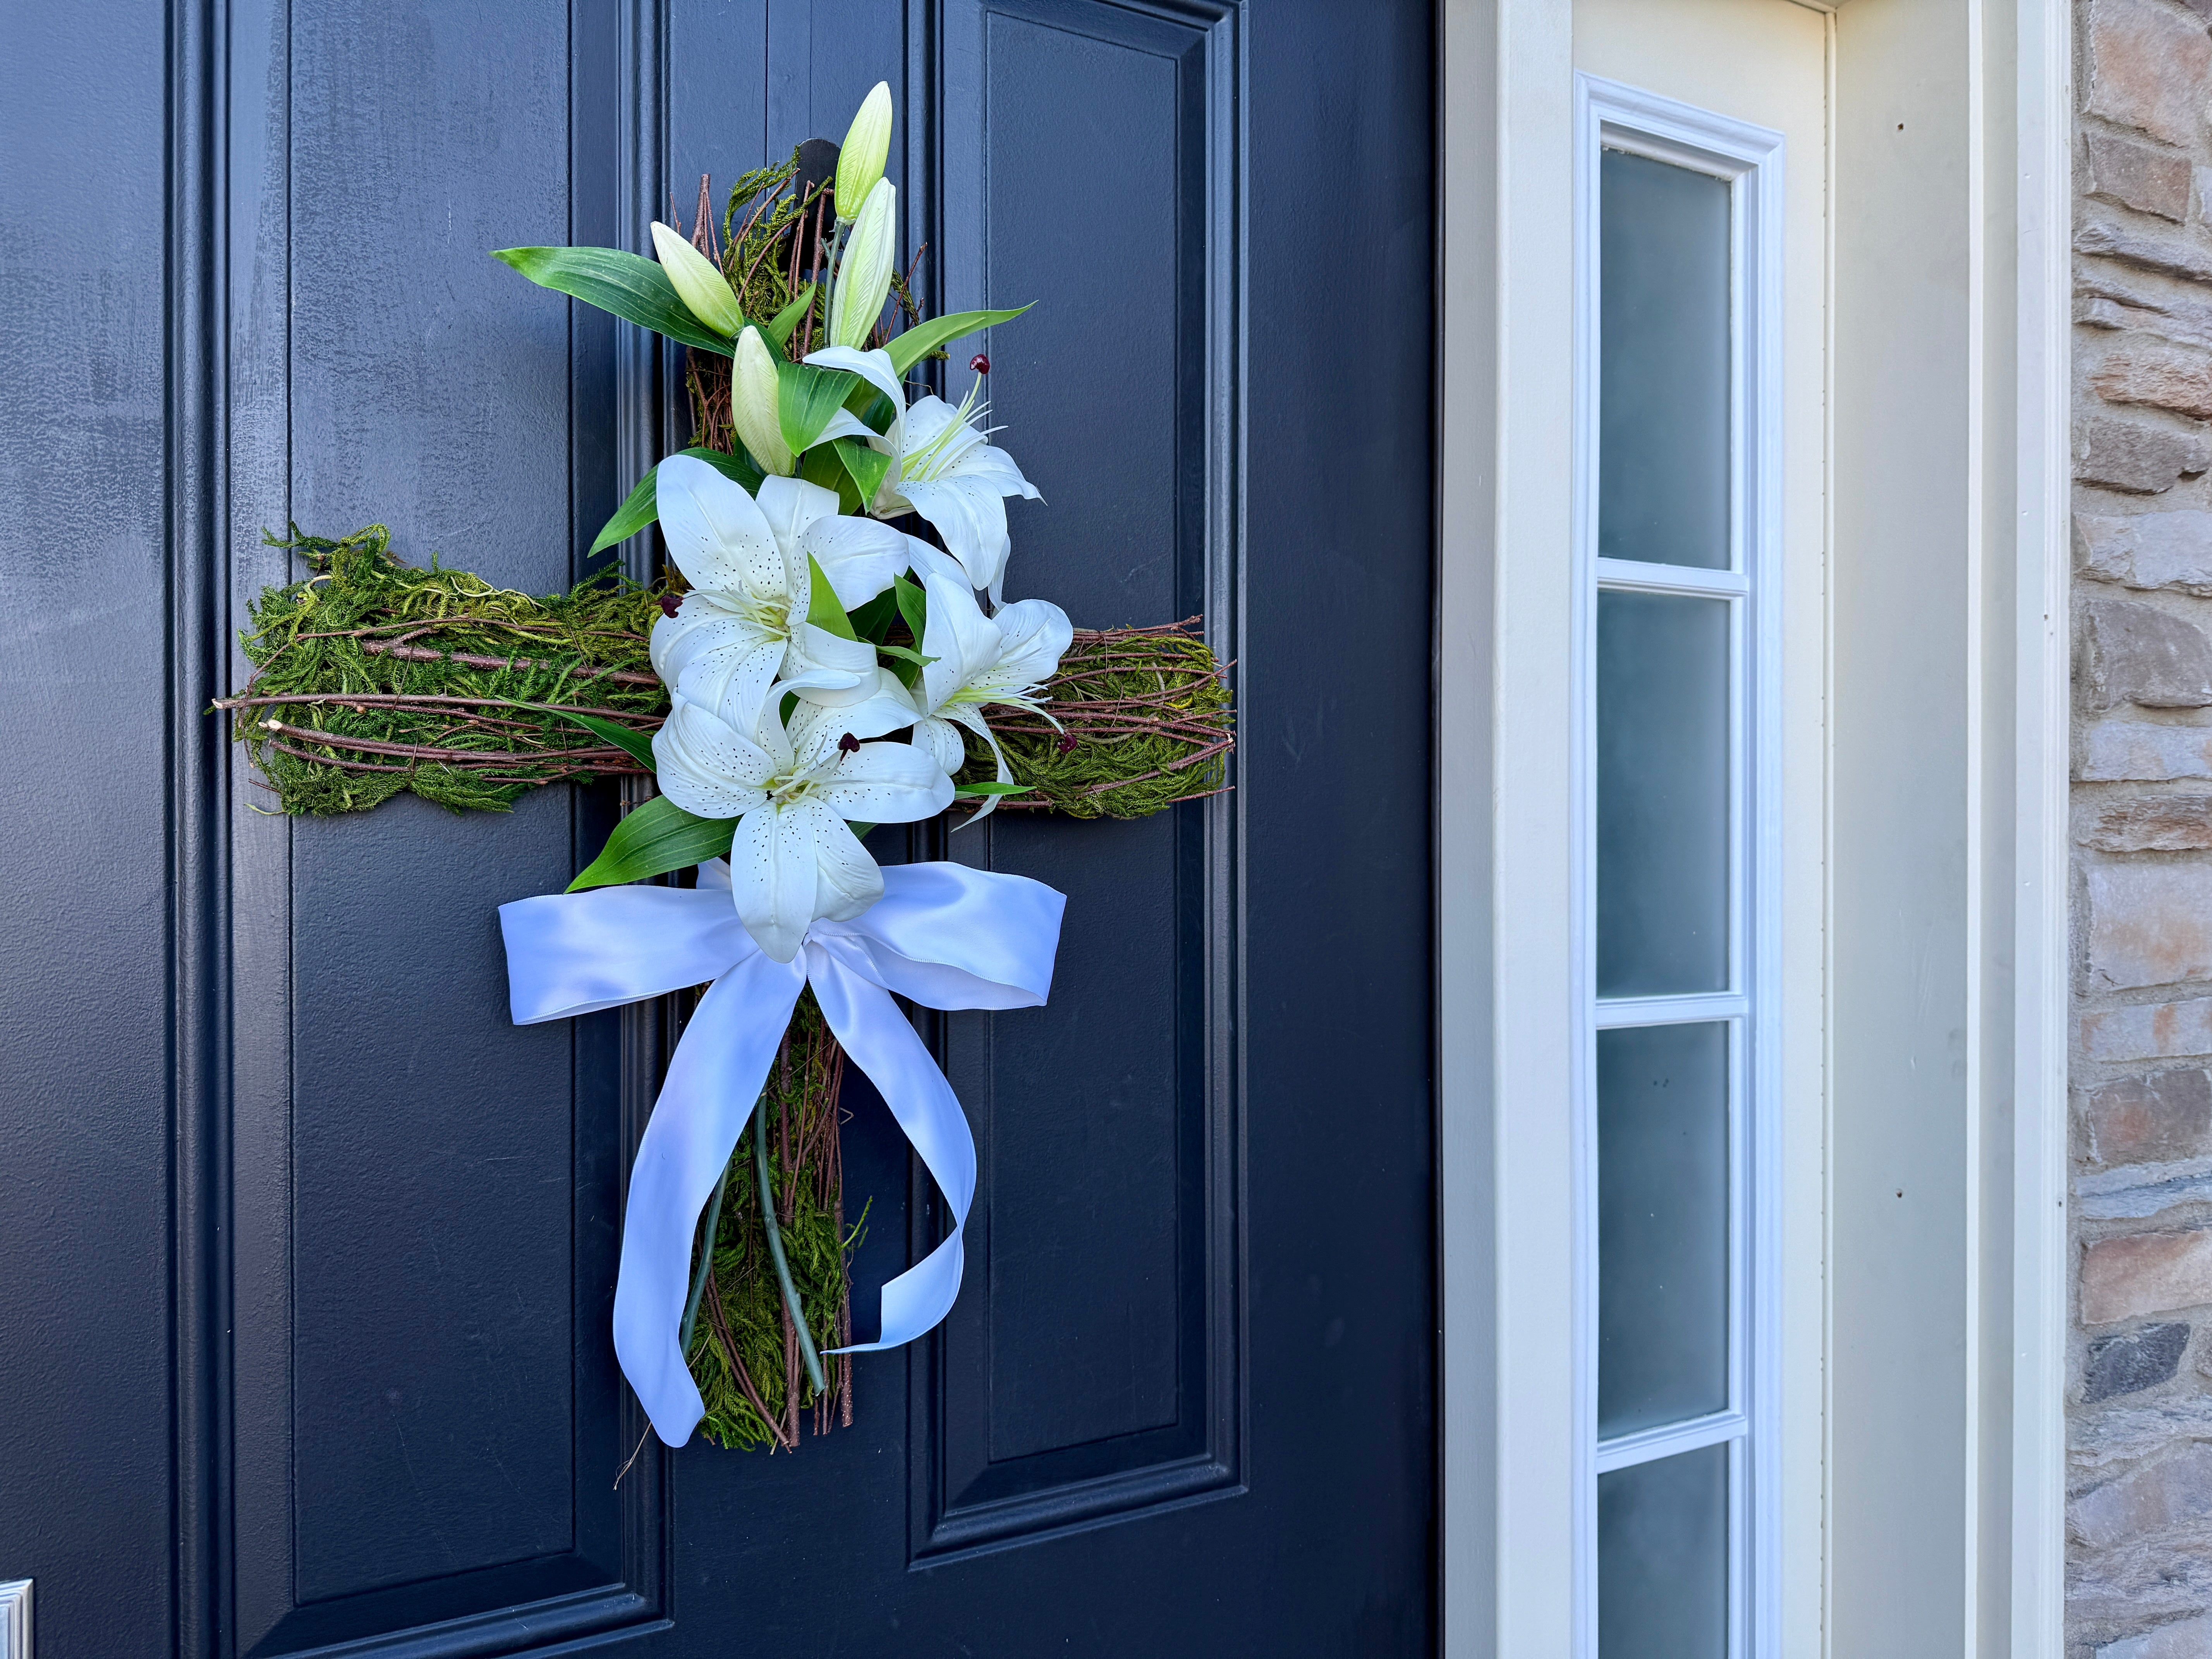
x=743 y=1351
x=1136 y=720
x=372 y=676
x=768 y=256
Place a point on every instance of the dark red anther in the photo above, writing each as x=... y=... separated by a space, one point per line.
x=1068 y=743
x=979 y=363
x=670 y=605
x=849 y=743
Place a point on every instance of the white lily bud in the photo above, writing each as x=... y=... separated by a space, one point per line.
x=697 y=283
x=864 y=276
x=867 y=145
x=754 y=404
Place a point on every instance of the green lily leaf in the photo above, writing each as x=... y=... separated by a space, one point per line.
x=643 y=505
x=990 y=788
x=910 y=348
x=905 y=655
x=632 y=516
x=914 y=606
x=805 y=400
x=873 y=621
x=823 y=609
x=871 y=408
x=779 y=328
x=738 y=469
x=866 y=465
x=654 y=839
x=637 y=744
x=628 y=286
x=820 y=465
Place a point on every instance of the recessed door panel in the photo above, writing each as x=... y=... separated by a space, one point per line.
x=1083 y=1376
x=423 y=1394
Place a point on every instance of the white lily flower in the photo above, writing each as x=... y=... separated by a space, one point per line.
x=863 y=273
x=794 y=857
x=698 y=282
x=942 y=467
x=867 y=146
x=744 y=623
x=754 y=395
x=1001 y=658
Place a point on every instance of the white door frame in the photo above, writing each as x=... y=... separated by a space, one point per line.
x=1948 y=764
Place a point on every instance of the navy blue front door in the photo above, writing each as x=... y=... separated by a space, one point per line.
x=307 y=1253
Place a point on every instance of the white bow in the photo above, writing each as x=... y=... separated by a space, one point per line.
x=943 y=935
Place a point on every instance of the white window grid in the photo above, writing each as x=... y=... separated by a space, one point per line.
x=1612 y=116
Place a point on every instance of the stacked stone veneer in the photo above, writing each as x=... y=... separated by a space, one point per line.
x=2140 y=1512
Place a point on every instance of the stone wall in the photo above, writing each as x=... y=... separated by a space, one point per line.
x=2139 y=1516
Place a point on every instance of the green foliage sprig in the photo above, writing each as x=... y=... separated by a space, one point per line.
x=373 y=676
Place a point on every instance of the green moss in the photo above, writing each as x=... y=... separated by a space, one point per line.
x=741 y=1325
x=1140 y=718
x=344 y=629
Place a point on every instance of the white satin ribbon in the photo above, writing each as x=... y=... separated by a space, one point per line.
x=943 y=935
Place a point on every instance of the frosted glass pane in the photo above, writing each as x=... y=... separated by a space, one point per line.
x=1662 y=1585
x=1662 y=363
x=1662 y=795
x=1662 y=1225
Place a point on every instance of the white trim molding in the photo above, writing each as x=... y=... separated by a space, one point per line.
x=1505 y=978
x=2041 y=164
x=15 y=1619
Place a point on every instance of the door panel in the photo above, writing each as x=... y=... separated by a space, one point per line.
x=427 y=1422
x=87 y=1015
x=1078 y=1446
x=1097 y=1374
x=1185 y=1397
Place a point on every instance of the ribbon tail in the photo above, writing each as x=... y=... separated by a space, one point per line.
x=879 y=1039
x=714 y=1077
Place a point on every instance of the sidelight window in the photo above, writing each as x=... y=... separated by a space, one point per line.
x=1676 y=537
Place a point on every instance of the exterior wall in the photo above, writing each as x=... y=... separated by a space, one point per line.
x=2140 y=1400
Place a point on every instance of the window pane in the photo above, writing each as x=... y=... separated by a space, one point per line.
x=1663 y=1558
x=1662 y=795
x=1662 y=363
x=1662 y=1225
